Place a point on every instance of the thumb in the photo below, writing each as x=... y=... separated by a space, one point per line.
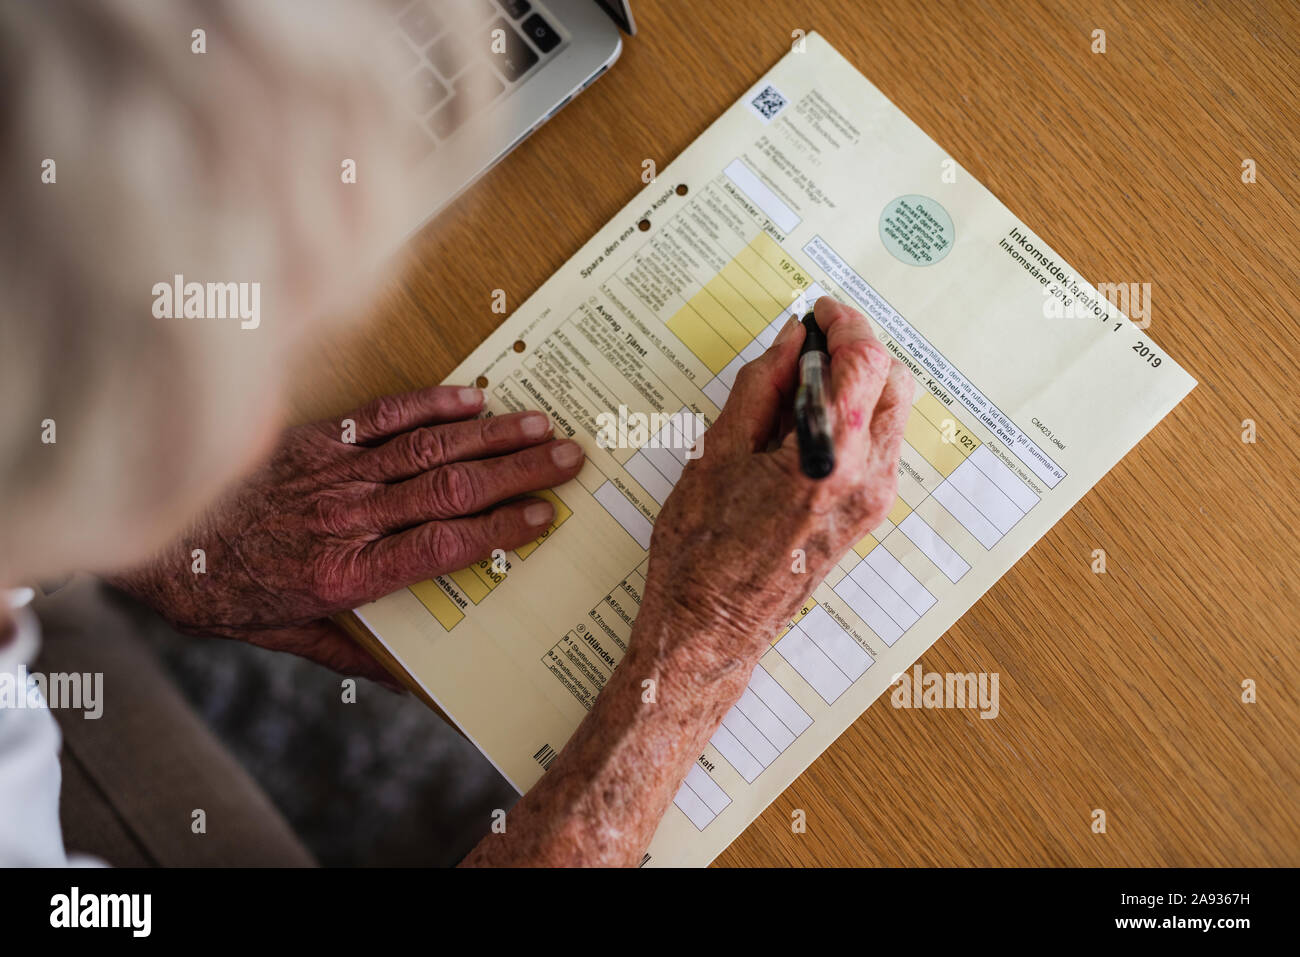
x=764 y=389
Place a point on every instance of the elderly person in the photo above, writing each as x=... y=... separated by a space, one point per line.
x=131 y=436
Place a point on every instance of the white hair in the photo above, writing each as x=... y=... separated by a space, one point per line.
x=221 y=166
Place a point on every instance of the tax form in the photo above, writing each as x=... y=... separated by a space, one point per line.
x=1029 y=386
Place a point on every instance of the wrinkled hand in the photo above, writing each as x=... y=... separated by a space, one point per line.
x=721 y=556
x=327 y=525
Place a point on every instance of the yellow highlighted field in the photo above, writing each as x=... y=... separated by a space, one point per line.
x=438 y=602
x=866 y=545
x=710 y=348
x=802 y=611
x=897 y=513
x=475 y=588
x=924 y=436
x=721 y=306
x=934 y=410
x=485 y=573
x=942 y=419
x=748 y=301
x=477 y=581
x=762 y=260
x=562 y=514
x=735 y=305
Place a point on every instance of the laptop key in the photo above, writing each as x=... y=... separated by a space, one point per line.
x=540 y=32
x=516 y=8
x=421 y=22
x=515 y=60
x=447 y=120
x=475 y=89
x=403 y=57
x=429 y=91
x=478 y=87
x=448 y=54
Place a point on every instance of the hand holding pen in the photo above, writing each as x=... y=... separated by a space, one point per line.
x=748 y=496
x=812 y=421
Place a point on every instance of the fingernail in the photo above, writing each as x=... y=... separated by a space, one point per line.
x=832 y=310
x=534 y=425
x=470 y=396
x=539 y=513
x=566 y=454
x=787 y=331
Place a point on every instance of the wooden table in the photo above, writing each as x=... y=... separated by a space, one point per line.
x=1120 y=691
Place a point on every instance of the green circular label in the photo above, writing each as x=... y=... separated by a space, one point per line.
x=916 y=230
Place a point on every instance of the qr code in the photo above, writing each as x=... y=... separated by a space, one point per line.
x=768 y=103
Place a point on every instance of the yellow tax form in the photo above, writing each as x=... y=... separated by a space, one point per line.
x=1030 y=385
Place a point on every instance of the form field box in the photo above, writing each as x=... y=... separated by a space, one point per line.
x=768 y=690
x=884 y=595
x=625 y=513
x=1004 y=479
x=737 y=755
x=943 y=555
x=985 y=532
x=650 y=478
x=701 y=798
x=813 y=665
x=877 y=619
x=901 y=580
x=982 y=492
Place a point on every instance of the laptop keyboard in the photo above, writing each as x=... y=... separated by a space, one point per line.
x=445 y=52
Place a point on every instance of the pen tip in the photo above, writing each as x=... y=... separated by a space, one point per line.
x=817 y=466
x=814 y=339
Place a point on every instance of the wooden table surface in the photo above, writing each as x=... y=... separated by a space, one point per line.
x=1122 y=691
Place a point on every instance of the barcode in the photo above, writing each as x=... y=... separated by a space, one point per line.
x=544 y=756
x=769 y=102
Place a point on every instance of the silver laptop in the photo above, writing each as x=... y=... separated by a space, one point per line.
x=483 y=74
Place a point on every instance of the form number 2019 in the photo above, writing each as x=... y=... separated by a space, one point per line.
x=1146 y=352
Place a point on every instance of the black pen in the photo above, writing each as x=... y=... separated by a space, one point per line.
x=811 y=412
